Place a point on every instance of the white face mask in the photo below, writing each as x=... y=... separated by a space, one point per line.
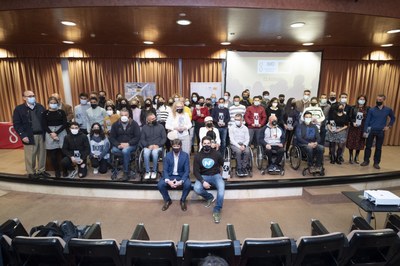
x=83 y=101
x=307 y=120
x=238 y=123
x=124 y=119
x=306 y=97
x=110 y=112
x=343 y=100
x=236 y=103
x=257 y=103
x=274 y=104
x=361 y=101
x=74 y=131
x=266 y=97
x=187 y=103
x=176 y=99
x=323 y=101
x=226 y=97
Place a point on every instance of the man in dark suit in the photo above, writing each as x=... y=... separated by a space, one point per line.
x=175 y=174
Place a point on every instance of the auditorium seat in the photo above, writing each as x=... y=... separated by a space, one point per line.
x=9 y=230
x=268 y=251
x=141 y=251
x=370 y=247
x=393 y=222
x=359 y=223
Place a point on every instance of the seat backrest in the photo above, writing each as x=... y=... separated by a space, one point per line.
x=370 y=246
x=267 y=251
x=195 y=251
x=324 y=249
x=94 y=252
x=13 y=228
x=393 y=222
x=7 y=257
x=39 y=250
x=140 y=252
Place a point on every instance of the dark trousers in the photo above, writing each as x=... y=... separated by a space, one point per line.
x=197 y=126
x=67 y=164
x=275 y=151
x=164 y=187
x=55 y=159
x=101 y=164
x=379 y=137
x=317 y=153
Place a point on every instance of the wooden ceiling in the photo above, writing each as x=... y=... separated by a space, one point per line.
x=247 y=28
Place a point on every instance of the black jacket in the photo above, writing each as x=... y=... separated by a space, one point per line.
x=130 y=135
x=76 y=142
x=22 y=121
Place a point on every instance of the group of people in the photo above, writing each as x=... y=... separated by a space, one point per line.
x=99 y=128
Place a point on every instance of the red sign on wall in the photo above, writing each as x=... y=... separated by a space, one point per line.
x=8 y=137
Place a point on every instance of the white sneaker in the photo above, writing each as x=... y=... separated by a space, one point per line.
x=147 y=176
x=72 y=175
x=153 y=175
x=95 y=171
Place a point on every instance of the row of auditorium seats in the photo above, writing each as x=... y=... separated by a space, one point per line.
x=362 y=246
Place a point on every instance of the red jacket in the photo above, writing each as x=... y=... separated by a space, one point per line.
x=249 y=116
x=197 y=118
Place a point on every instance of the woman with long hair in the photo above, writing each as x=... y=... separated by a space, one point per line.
x=290 y=122
x=179 y=122
x=99 y=149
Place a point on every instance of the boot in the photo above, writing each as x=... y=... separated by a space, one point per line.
x=333 y=159
x=338 y=161
x=351 y=157
x=356 y=157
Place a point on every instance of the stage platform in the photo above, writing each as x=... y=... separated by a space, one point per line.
x=12 y=177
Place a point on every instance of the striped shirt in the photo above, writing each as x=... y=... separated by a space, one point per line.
x=233 y=110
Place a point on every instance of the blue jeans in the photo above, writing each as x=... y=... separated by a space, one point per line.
x=146 y=156
x=215 y=181
x=164 y=187
x=126 y=155
x=317 y=153
x=223 y=133
x=379 y=136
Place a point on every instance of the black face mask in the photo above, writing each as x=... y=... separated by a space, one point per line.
x=274 y=123
x=94 y=105
x=159 y=104
x=379 y=103
x=201 y=104
x=102 y=98
x=209 y=124
x=208 y=105
x=245 y=97
x=134 y=106
x=179 y=111
x=332 y=98
x=96 y=131
x=207 y=148
x=123 y=105
x=170 y=103
x=176 y=150
x=313 y=104
x=147 y=104
x=282 y=100
x=340 y=111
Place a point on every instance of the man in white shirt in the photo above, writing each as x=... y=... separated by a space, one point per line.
x=239 y=136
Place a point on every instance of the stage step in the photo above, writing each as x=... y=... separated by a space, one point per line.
x=326 y=194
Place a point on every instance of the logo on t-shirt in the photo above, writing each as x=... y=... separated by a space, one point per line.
x=207 y=163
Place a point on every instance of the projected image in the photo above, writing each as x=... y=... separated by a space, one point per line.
x=144 y=89
x=280 y=72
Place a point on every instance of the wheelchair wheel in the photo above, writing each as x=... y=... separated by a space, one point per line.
x=259 y=157
x=140 y=162
x=295 y=157
x=227 y=154
x=251 y=163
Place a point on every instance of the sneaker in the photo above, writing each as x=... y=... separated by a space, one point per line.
x=209 y=202
x=153 y=175
x=95 y=171
x=217 y=217
x=364 y=163
x=239 y=172
x=147 y=176
x=245 y=172
x=73 y=174
x=312 y=169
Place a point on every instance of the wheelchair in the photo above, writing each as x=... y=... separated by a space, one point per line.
x=229 y=155
x=297 y=155
x=262 y=162
x=141 y=169
x=117 y=162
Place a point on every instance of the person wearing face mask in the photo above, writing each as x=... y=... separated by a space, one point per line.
x=155 y=100
x=65 y=107
x=303 y=103
x=194 y=99
x=255 y=118
x=99 y=149
x=118 y=99
x=148 y=109
x=163 y=112
x=27 y=120
x=375 y=126
x=135 y=112
x=308 y=139
x=207 y=166
x=179 y=122
x=245 y=99
x=332 y=98
x=55 y=124
x=337 y=134
x=221 y=119
x=290 y=121
x=170 y=102
x=265 y=99
x=95 y=114
x=227 y=98
x=199 y=113
x=355 y=139
x=152 y=140
x=274 y=109
x=80 y=112
x=323 y=103
x=235 y=109
x=272 y=138
x=124 y=138
x=240 y=139
x=281 y=103
x=318 y=116
x=102 y=99
x=176 y=168
x=343 y=101
x=214 y=100
x=212 y=132
x=76 y=149
x=110 y=119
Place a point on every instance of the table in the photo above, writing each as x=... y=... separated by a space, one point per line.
x=9 y=139
x=358 y=198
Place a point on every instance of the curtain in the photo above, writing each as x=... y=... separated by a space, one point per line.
x=95 y=74
x=164 y=72
x=41 y=75
x=365 y=77
x=200 y=70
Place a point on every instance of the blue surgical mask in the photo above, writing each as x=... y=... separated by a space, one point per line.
x=53 y=106
x=83 y=101
x=31 y=100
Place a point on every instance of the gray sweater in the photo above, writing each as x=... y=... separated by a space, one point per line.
x=153 y=135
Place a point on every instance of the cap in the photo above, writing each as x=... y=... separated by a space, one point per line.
x=208 y=118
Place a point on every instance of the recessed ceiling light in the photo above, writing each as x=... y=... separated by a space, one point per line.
x=184 y=22
x=387 y=45
x=328 y=36
x=43 y=34
x=68 y=42
x=68 y=23
x=182 y=14
x=279 y=37
x=308 y=43
x=393 y=31
x=225 y=43
x=148 y=42
x=92 y=35
x=297 y=24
